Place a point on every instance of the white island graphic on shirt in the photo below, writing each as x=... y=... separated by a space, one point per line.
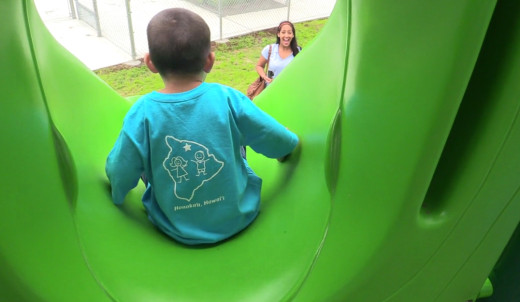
x=190 y=165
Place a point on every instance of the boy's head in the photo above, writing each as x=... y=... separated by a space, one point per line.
x=178 y=42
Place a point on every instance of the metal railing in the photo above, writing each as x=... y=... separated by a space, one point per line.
x=123 y=22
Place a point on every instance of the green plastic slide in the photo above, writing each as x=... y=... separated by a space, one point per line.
x=406 y=187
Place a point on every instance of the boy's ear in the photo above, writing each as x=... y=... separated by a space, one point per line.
x=148 y=61
x=210 y=60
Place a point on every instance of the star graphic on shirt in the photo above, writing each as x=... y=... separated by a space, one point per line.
x=187 y=147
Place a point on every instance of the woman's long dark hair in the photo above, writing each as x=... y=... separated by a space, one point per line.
x=294 y=43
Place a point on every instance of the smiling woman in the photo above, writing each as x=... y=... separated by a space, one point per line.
x=282 y=52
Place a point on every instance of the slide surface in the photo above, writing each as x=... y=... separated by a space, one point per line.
x=406 y=187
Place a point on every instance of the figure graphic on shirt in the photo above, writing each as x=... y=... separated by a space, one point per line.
x=178 y=164
x=201 y=162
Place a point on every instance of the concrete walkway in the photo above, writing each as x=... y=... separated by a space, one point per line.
x=97 y=52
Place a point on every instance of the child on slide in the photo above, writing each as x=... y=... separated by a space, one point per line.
x=186 y=139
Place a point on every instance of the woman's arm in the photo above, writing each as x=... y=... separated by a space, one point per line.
x=260 y=66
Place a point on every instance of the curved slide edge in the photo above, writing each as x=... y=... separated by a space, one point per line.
x=426 y=197
x=40 y=255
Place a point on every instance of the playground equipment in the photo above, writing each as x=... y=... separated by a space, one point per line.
x=406 y=187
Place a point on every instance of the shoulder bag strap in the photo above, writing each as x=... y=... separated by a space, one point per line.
x=268 y=58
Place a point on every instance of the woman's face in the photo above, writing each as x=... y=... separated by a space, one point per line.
x=286 y=35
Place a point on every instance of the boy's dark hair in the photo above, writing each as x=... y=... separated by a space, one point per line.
x=178 y=42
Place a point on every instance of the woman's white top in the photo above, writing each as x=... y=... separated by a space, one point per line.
x=276 y=63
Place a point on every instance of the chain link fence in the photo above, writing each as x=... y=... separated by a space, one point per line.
x=123 y=22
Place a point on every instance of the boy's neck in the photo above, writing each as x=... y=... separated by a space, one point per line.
x=176 y=84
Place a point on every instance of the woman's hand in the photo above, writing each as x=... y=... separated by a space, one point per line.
x=260 y=65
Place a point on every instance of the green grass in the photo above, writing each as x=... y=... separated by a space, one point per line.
x=234 y=65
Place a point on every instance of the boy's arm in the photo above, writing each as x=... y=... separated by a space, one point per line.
x=264 y=134
x=123 y=168
x=295 y=151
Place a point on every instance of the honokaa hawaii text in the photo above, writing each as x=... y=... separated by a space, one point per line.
x=198 y=204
